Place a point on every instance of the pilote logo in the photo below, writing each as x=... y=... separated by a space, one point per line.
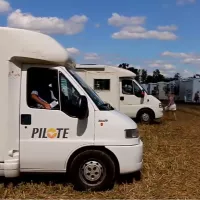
x=50 y=133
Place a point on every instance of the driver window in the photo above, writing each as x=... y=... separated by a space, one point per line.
x=42 y=88
x=127 y=87
x=69 y=96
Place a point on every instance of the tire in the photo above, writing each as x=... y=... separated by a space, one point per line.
x=138 y=176
x=146 y=116
x=100 y=164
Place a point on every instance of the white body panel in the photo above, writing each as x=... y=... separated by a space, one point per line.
x=162 y=90
x=130 y=104
x=145 y=86
x=191 y=86
x=153 y=87
x=106 y=95
x=19 y=151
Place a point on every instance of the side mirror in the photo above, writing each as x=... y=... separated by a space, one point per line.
x=83 y=108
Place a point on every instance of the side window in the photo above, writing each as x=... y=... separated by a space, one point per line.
x=69 y=96
x=42 y=88
x=101 y=84
x=127 y=87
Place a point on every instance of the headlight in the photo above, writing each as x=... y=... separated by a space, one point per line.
x=131 y=133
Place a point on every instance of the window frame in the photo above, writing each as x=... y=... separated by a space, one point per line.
x=122 y=87
x=94 y=84
x=133 y=87
x=27 y=83
x=59 y=74
x=59 y=81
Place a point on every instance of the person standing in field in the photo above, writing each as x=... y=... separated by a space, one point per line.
x=171 y=104
x=196 y=97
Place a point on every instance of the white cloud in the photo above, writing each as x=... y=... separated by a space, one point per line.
x=183 y=2
x=192 y=61
x=48 y=25
x=159 y=64
x=186 y=73
x=167 y=28
x=73 y=51
x=131 y=28
x=4 y=6
x=91 y=56
x=97 y=25
x=177 y=54
x=120 y=20
x=186 y=58
x=151 y=34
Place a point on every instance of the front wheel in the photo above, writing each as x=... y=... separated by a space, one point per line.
x=92 y=170
x=146 y=116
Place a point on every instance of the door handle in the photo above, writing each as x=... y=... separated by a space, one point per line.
x=25 y=119
x=122 y=98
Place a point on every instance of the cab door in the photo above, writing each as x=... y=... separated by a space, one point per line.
x=130 y=100
x=48 y=137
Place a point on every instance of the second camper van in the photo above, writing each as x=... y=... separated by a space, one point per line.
x=119 y=88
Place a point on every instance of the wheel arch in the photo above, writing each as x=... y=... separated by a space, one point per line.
x=101 y=148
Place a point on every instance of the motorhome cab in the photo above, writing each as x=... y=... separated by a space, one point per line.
x=118 y=87
x=69 y=129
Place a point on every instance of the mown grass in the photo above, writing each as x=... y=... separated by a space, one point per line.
x=171 y=166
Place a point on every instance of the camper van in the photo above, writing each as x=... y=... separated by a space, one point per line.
x=52 y=122
x=162 y=90
x=118 y=87
x=191 y=86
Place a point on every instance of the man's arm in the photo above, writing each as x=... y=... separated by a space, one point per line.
x=34 y=96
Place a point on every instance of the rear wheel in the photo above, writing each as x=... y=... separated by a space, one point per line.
x=92 y=170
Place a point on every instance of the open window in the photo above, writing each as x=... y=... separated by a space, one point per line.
x=43 y=83
x=50 y=85
x=129 y=87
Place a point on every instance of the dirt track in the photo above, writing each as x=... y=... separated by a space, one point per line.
x=171 y=165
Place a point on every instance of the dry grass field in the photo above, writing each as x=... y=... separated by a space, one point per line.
x=171 y=166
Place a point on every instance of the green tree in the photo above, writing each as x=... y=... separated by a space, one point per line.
x=132 y=69
x=177 y=76
x=144 y=76
x=124 y=65
x=157 y=76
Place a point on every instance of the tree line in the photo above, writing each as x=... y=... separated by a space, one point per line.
x=143 y=77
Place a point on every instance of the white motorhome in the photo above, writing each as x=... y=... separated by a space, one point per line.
x=145 y=86
x=119 y=88
x=76 y=134
x=153 y=89
x=162 y=90
x=191 y=86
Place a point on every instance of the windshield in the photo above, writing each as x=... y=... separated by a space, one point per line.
x=141 y=86
x=92 y=94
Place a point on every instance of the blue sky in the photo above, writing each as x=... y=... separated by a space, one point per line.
x=156 y=34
